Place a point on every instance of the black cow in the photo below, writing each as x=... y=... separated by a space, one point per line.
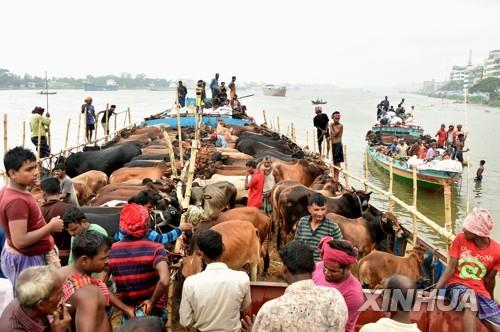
x=106 y=160
x=143 y=163
x=152 y=156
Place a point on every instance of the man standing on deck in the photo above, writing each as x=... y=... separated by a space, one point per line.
x=337 y=152
x=199 y=96
x=441 y=135
x=232 y=91
x=255 y=185
x=214 y=86
x=106 y=115
x=40 y=123
x=181 y=94
x=385 y=104
x=320 y=122
x=90 y=118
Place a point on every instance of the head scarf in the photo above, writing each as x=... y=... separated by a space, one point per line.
x=479 y=222
x=133 y=220
x=330 y=255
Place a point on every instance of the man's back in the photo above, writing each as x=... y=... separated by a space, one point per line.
x=303 y=307
x=214 y=298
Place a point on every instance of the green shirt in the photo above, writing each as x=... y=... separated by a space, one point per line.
x=93 y=228
x=312 y=238
x=35 y=121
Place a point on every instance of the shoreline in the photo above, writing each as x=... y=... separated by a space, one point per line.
x=460 y=99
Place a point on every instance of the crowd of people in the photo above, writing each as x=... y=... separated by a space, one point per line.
x=385 y=112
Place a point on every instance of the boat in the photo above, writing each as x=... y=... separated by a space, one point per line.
x=109 y=86
x=318 y=102
x=274 y=90
x=410 y=132
x=429 y=176
x=47 y=92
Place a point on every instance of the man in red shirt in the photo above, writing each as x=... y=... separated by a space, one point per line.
x=255 y=185
x=471 y=271
x=28 y=235
x=441 y=135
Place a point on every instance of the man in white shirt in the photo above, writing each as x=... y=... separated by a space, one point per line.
x=212 y=300
x=400 y=319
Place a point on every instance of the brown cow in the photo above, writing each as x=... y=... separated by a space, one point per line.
x=88 y=184
x=241 y=248
x=378 y=265
x=302 y=171
x=128 y=173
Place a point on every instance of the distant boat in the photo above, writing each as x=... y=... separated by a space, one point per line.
x=97 y=87
x=319 y=102
x=274 y=90
x=47 y=92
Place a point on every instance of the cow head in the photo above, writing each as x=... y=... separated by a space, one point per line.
x=191 y=265
x=390 y=224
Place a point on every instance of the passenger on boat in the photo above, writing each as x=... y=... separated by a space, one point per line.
x=459 y=148
x=320 y=122
x=385 y=104
x=39 y=126
x=472 y=267
x=441 y=135
x=479 y=172
x=219 y=140
x=254 y=185
x=450 y=140
x=304 y=306
x=232 y=90
x=337 y=129
x=90 y=118
x=214 y=86
x=422 y=151
x=401 y=150
x=199 y=95
x=400 y=287
x=380 y=108
x=415 y=148
x=431 y=152
x=181 y=94
x=106 y=116
x=213 y=300
x=394 y=146
x=334 y=270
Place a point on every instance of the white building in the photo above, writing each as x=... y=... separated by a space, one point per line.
x=492 y=65
x=458 y=73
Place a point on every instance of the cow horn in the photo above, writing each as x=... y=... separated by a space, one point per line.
x=353 y=189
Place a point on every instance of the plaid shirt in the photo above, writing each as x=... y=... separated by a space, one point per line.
x=14 y=319
x=77 y=281
x=312 y=238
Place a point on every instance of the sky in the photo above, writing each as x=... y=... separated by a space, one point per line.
x=352 y=44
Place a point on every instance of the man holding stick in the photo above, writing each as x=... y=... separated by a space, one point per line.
x=337 y=130
x=90 y=118
x=106 y=115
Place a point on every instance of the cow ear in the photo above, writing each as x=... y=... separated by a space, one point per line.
x=206 y=196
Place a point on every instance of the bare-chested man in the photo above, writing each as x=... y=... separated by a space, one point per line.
x=337 y=130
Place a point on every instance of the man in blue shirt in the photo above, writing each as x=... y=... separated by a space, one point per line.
x=90 y=118
x=214 y=86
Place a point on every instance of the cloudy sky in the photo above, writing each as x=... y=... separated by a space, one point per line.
x=346 y=43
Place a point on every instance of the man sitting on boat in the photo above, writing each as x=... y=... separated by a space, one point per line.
x=471 y=271
x=401 y=150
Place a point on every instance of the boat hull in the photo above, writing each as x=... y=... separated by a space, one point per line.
x=188 y=121
x=428 y=179
x=387 y=133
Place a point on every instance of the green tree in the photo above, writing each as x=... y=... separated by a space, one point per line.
x=489 y=85
x=453 y=86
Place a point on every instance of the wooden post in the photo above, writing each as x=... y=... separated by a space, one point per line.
x=79 y=130
x=447 y=208
x=307 y=140
x=278 y=123
x=5 y=146
x=414 y=217
x=179 y=134
x=346 y=177
x=129 y=116
x=24 y=134
x=314 y=143
x=467 y=206
x=391 y=178
x=265 y=117
x=170 y=152
x=39 y=139
x=106 y=126
x=115 y=117
x=67 y=135
x=365 y=169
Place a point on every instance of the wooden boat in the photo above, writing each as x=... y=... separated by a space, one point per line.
x=426 y=178
x=388 y=132
x=318 y=102
x=47 y=92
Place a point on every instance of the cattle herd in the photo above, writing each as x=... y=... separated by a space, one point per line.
x=138 y=160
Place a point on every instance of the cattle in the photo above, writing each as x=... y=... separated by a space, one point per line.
x=237 y=181
x=107 y=218
x=214 y=197
x=88 y=184
x=368 y=231
x=153 y=156
x=129 y=173
x=144 y=163
x=302 y=171
x=106 y=160
x=241 y=248
x=378 y=265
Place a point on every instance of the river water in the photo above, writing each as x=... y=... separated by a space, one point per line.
x=358 y=113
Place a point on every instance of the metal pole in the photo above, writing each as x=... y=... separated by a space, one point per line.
x=414 y=221
x=24 y=134
x=346 y=178
x=391 y=178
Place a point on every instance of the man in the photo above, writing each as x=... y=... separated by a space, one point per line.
x=181 y=94
x=472 y=267
x=214 y=87
x=304 y=306
x=219 y=140
x=90 y=118
x=53 y=207
x=450 y=140
x=401 y=150
x=29 y=242
x=142 y=278
x=431 y=152
x=441 y=135
x=232 y=91
x=311 y=229
x=38 y=295
x=385 y=104
x=459 y=148
x=199 y=96
x=320 y=122
x=106 y=116
x=479 y=171
x=67 y=188
x=222 y=94
x=460 y=131
x=394 y=146
x=213 y=299
x=76 y=223
x=337 y=151
x=255 y=185
x=400 y=287
x=39 y=126
x=415 y=148
x=89 y=296
x=269 y=182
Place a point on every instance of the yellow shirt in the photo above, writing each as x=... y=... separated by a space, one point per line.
x=35 y=121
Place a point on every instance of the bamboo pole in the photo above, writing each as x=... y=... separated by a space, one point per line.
x=414 y=217
x=467 y=206
x=278 y=123
x=115 y=117
x=365 y=167
x=5 y=146
x=391 y=178
x=179 y=134
x=346 y=178
x=447 y=208
x=170 y=149
x=79 y=129
x=24 y=134
x=67 y=134
x=192 y=164
x=106 y=126
x=265 y=117
x=307 y=139
x=314 y=142
x=129 y=116
x=39 y=139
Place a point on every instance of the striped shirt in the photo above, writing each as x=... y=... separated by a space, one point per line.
x=154 y=236
x=311 y=238
x=133 y=265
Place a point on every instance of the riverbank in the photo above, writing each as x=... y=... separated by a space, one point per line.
x=460 y=98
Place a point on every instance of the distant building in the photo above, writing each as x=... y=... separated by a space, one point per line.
x=492 y=65
x=429 y=86
x=458 y=73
